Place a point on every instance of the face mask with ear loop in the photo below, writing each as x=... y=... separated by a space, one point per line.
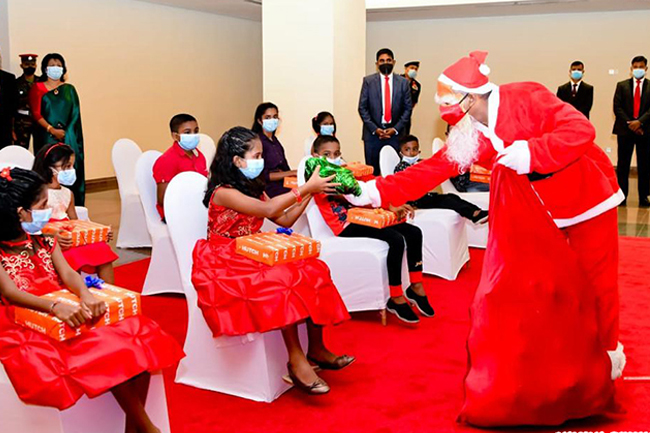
x=452 y=114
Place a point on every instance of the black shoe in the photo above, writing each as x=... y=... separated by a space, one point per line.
x=402 y=311
x=421 y=302
x=644 y=203
x=480 y=218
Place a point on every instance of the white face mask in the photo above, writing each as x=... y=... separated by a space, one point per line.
x=336 y=161
x=411 y=159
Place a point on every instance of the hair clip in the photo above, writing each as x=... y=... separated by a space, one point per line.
x=93 y=281
x=284 y=231
x=54 y=146
x=6 y=174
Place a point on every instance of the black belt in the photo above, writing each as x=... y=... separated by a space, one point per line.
x=534 y=176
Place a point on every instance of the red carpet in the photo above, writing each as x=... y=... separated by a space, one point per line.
x=406 y=379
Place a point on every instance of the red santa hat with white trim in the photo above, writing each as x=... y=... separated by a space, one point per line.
x=469 y=74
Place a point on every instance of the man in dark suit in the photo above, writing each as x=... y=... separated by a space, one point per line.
x=632 y=128
x=8 y=98
x=576 y=92
x=385 y=107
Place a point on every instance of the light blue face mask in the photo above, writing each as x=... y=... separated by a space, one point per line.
x=412 y=73
x=327 y=130
x=270 y=125
x=40 y=217
x=336 y=161
x=189 y=141
x=410 y=159
x=54 y=72
x=67 y=177
x=638 y=73
x=576 y=75
x=253 y=168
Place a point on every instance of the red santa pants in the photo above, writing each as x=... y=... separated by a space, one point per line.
x=596 y=243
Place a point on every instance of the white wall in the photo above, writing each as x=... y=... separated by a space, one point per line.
x=522 y=48
x=4 y=37
x=137 y=64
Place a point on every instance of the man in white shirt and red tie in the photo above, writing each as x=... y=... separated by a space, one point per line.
x=385 y=107
x=632 y=128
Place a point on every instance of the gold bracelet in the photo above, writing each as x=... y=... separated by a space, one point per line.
x=48 y=128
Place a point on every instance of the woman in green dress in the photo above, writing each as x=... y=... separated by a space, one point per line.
x=55 y=106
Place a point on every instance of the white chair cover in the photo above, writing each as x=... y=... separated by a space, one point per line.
x=17 y=156
x=388 y=160
x=309 y=142
x=98 y=415
x=133 y=232
x=358 y=265
x=477 y=235
x=207 y=148
x=162 y=276
x=249 y=366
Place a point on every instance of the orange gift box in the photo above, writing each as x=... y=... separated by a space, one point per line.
x=83 y=232
x=360 y=170
x=377 y=218
x=120 y=304
x=291 y=182
x=275 y=248
x=479 y=174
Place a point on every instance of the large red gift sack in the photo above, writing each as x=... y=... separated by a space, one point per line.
x=533 y=349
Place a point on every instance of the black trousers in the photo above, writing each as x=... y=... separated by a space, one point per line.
x=626 y=145
x=434 y=200
x=395 y=237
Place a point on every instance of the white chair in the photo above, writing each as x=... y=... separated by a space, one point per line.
x=249 y=366
x=133 y=231
x=162 y=276
x=309 y=143
x=17 y=156
x=207 y=148
x=477 y=235
x=358 y=265
x=444 y=248
x=98 y=415
x=388 y=160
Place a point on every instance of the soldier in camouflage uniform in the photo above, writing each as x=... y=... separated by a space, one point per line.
x=23 y=122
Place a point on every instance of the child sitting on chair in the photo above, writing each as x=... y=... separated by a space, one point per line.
x=409 y=148
x=43 y=370
x=238 y=295
x=182 y=156
x=334 y=210
x=55 y=164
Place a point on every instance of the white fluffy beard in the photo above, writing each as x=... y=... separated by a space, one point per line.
x=463 y=143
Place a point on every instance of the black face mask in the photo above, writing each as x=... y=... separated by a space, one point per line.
x=29 y=71
x=386 y=68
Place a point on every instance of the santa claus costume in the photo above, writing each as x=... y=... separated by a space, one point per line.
x=543 y=346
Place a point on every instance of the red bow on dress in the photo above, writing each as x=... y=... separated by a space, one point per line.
x=6 y=173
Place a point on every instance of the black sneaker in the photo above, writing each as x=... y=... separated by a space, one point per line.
x=422 y=302
x=402 y=311
x=480 y=218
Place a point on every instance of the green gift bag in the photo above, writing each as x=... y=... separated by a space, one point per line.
x=349 y=184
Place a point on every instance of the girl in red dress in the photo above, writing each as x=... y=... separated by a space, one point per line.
x=46 y=372
x=55 y=164
x=238 y=295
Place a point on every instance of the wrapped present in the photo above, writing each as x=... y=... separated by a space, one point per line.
x=377 y=218
x=291 y=182
x=82 y=232
x=276 y=248
x=349 y=184
x=360 y=170
x=479 y=174
x=120 y=304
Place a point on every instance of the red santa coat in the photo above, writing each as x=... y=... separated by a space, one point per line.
x=582 y=182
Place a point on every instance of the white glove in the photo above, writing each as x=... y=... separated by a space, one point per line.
x=516 y=157
x=369 y=195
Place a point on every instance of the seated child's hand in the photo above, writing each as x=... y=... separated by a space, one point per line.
x=64 y=239
x=93 y=305
x=73 y=315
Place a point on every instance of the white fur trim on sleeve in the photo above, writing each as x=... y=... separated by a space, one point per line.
x=618 y=361
x=373 y=193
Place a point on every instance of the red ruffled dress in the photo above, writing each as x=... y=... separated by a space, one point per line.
x=47 y=372
x=86 y=257
x=238 y=295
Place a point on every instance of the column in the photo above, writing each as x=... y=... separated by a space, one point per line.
x=314 y=60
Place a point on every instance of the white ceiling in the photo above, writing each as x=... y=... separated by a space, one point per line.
x=395 y=10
